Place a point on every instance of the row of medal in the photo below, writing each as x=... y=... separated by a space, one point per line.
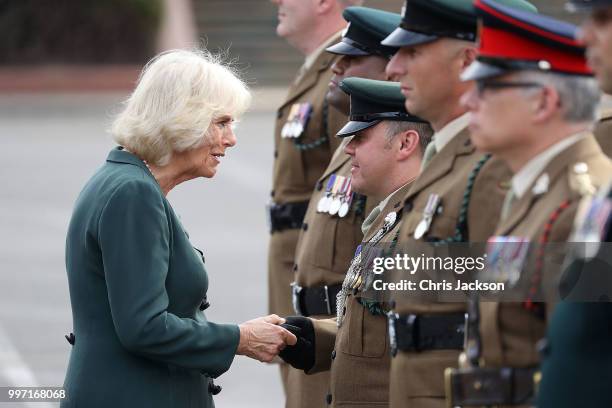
x=353 y=278
x=360 y=272
x=506 y=257
x=297 y=120
x=338 y=196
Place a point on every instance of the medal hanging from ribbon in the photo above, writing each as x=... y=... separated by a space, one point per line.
x=347 y=198
x=298 y=118
x=433 y=203
x=335 y=197
x=287 y=127
x=506 y=257
x=325 y=201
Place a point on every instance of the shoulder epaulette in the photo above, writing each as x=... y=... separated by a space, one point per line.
x=580 y=180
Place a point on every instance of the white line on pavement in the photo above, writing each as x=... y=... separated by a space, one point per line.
x=15 y=370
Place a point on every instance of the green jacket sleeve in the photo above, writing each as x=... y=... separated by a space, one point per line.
x=134 y=234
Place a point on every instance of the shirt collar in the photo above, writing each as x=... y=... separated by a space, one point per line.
x=452 y=129
x=525 y=177
x=375 y=213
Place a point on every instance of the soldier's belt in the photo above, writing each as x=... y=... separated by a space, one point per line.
x=426 y=332
x=477 y=386
x=314 y=301
x=287 y=216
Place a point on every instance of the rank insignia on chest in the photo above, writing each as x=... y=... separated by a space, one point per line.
x=433 y=202
x=337 y=197
x=298 y=118
x=506 y=257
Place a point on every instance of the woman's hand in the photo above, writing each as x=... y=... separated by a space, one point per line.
x=263 y=338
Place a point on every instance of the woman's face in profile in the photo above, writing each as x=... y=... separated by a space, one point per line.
x=219 y=137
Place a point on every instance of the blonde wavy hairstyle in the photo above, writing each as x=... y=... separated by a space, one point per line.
x=179 y=94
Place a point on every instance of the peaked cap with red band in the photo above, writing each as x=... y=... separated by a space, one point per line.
x=517 y=40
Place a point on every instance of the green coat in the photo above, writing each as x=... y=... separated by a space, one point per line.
x=578 y=356
x=576 y=367
x=136 y=285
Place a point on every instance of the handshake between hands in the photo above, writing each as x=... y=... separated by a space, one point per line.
x=266 y=337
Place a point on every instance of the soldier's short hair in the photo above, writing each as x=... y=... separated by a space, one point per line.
x=424 y=130
x=579 y=95
x=179 y=94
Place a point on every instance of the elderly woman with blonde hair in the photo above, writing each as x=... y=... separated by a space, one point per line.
x=137 y=286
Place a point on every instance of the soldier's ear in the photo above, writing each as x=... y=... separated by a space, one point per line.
x=408 y=144
x=469 y=55
x=546 y=103
x=324 y=6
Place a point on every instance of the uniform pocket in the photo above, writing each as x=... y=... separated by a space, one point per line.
x=362 y=334
x=340 y=237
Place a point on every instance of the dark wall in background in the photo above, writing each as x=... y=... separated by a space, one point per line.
x=36 y=32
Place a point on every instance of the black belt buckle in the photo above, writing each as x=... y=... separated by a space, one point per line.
x=311 y=301
x=277 y=217
x=391 y=318
x=476 y=386
x=296 y=290
x=409 y=342
x=286 y=216
x=315 y=301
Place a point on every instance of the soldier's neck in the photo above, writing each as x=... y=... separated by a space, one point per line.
x=309 y=42
x=540 y=141
x=443 y=117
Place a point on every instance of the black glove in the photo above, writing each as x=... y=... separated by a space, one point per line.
x=302 y=354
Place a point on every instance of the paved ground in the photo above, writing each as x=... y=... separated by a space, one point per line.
x=50 y=146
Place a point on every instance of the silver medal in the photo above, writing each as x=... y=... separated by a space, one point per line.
x=291 y=131
x=285 y=130
x=334 y=207
x=344 y=209
x=326 y=205
x=421 y=229
x=299 y=129
x=320 y=204
x=433 y=202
